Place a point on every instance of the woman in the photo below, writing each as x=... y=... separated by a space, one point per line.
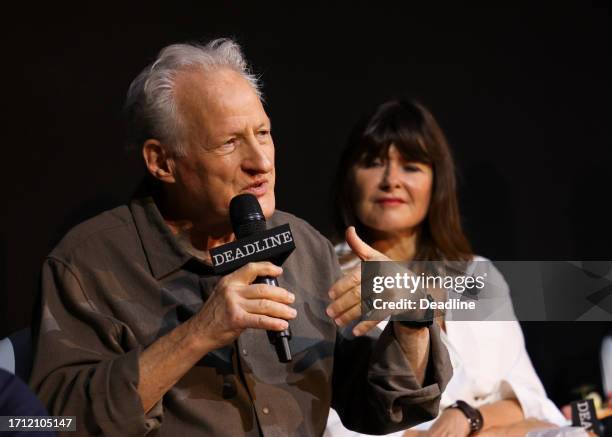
x=396 y=185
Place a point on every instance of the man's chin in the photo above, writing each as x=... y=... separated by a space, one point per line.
x=268 y=204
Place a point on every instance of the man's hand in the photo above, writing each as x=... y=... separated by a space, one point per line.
x=346 y=292
x=236 y=304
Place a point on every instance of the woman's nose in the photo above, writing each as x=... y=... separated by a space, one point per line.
x=390 y=176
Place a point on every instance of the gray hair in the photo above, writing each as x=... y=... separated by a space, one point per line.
x=150 y=106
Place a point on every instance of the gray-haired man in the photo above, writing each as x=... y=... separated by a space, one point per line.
x=137 y=333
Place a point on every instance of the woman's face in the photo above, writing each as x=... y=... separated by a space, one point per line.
x=392 y=196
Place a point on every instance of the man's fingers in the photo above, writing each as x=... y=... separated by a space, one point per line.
x=363 y=327
x=265 y=291
x=351 y=279
x=268 y=308
x=260 y=321
x=343 y=303
x=357 y=245
x=348 y=316
x=361 y=248
x=248 y=272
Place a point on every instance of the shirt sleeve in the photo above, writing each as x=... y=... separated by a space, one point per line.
x=80 y=365
x=522 y=383
x=519 y=380
x=375 y=390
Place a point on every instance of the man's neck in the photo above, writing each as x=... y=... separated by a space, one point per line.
x=199 y=238
x=196 y=241
x=196 y=237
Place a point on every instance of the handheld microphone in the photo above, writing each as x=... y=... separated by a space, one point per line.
x=584 y=415
x=247 y=219
x=606 y=366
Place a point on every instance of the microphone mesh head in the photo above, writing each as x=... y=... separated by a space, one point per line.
x=246 y=215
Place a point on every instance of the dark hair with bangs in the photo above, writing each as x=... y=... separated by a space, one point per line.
x=411 y=128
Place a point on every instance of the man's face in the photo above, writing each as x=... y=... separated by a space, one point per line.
x=228 y=143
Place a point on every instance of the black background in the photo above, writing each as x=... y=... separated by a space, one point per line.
x=523 y=93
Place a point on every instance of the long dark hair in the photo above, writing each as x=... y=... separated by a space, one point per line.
x=411 y=128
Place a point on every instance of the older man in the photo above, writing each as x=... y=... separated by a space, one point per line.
x=137 y=333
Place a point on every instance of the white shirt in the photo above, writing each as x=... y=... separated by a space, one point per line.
x=490 y=363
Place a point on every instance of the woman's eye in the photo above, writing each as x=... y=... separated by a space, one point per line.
x=373 y=163
x=411 y=168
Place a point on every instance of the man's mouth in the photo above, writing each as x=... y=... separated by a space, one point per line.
x=258 y=188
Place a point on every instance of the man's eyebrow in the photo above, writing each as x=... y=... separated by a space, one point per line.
x=267 y=123
x=240 y=131
x=234 y=132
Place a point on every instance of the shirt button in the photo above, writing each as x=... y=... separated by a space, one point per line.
x=244 y=352
x=265 y=410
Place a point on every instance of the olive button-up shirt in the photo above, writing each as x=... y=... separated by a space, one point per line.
x=120 y=281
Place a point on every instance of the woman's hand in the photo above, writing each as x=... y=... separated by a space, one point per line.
x=411 y=433
x=451 y=423
x=518 y=429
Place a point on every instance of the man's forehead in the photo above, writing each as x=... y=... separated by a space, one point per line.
x=221 y=95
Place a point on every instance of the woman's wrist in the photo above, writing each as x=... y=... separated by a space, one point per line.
x=472 y=416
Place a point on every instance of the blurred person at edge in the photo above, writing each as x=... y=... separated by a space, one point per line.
x=396 y=185
x=139 y=336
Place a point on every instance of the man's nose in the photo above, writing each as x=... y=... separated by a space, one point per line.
x=257 y=159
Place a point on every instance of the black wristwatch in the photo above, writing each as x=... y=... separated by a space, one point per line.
x=472 y=414
x=427 y=320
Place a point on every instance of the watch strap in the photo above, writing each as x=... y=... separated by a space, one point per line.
x=427 y=320
x=472 y=414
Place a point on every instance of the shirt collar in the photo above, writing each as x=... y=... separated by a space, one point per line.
x=162 y=250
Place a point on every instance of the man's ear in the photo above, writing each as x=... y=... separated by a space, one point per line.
x=158 y=161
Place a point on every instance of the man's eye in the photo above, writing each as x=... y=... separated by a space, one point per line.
x=263 y=133
x=226 y=147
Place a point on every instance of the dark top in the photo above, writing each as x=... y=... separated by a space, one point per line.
x=16 y=399
x=121 y=280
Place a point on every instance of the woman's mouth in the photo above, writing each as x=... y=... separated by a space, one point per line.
x=390 y=201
